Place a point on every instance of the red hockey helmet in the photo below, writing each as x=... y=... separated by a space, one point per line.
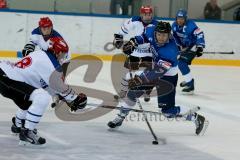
x=45 y=22
x=146 y=9
x=57 y=45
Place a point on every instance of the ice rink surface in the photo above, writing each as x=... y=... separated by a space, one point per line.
x=217 y=92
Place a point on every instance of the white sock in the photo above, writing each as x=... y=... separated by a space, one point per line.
x=184 y=110
x=40 y=100
x=188 y=77
x=20 y=115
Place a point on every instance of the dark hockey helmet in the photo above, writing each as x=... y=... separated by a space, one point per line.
x=163 y=27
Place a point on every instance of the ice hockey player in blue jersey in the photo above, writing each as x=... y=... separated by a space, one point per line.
x=141 y=56
x=190 y=40
x=165 y=67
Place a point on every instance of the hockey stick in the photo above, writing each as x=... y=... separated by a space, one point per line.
x=119 y=108
x=155 y=141
x=192 y=110
x=218 y=52
x=183 y=52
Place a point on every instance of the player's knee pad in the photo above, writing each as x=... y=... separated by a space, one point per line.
x=40 y=100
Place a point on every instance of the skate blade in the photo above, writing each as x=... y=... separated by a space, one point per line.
x=14 y=134
x=116 y=97
x=113 y=129
x=206 y=123
x=28 y=144
x=188 y=93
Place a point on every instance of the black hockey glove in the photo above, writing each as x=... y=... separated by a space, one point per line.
x=79 y=103
x=118 y=41
x=28 y=48
x=134 y=82
x=129 y=47
x=199 y=51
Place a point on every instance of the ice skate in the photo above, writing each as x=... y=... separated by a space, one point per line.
x=14 y=128
x=29 y=137
x=117 y=122
x=201 y=124
x=189 y=88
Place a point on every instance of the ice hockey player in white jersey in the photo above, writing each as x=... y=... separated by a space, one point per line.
x=141 y=56
x=28 y=83
x=40 y=38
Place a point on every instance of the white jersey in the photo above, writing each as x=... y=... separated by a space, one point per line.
x=38 y=40
x=135 y=27
x=40 y=70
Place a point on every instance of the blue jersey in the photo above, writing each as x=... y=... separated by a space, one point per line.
x=188 y=35
x=54 y=33
x=41 y=41
x=164 y=55
x=168 y=51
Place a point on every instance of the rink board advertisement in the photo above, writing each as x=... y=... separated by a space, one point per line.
x=94 y=35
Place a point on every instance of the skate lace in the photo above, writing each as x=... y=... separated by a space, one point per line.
x=33 y=135
x=118 y=119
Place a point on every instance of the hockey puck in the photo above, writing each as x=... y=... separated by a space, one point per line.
x=155 y=142
x=116 y=97
x=53 y=105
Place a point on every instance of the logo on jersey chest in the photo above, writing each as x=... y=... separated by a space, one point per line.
x=25 y=62
x=43 y=83
x=181 y=35
x=153 y=50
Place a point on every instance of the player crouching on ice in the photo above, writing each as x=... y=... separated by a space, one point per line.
x=165 y=67
x=29 y=83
